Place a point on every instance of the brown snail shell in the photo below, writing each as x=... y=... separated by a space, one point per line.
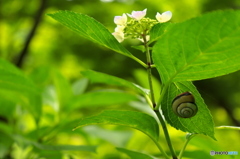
x=184 y=105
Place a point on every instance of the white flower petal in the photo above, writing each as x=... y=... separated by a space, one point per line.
x=164 y=17
x=120 y=20
x=119 y=28
x=138 y=15
x=119 y=36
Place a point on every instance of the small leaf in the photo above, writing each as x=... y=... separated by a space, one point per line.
x=115 y=137
x=80 y=86
x=140 y=48
x=63 y=88
x=65 y=147
x=199 y=48
x=201 y=123
x=22 y=139
x=97 y=77
x=100 y=98
x=18 y=89
x=134 y=154
x=89 y=28
x=136 y=120
x=158 y=30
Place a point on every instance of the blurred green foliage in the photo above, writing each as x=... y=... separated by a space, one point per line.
x=56 y=56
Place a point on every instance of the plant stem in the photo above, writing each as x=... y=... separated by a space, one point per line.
x=164 y=127
x=138 y=60
x=149 y=63
x=185 y=145
x=149 y=71
x=161 y=149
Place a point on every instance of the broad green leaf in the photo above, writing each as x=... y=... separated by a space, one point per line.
x=136 y=120
x=17 y=88
x=89 y=28
x=201 y=123
x=22 y=139
x=141 y=76
x=97 y=77
x=158 y=30
x=115 y=137
x=63 y=88
x=41 y=76
x=199 y=48
x=65 y=147
x=100 y=98
x=134 y=154
x=140 y=48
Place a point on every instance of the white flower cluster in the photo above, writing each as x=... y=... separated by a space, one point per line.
x=139 y=24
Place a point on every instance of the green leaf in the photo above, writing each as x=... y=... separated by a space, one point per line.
x=158 y=30
x=140 y=48
x=63 y=88
x=89 y=28
x=80 y=86
x=115 y=137
x=134 y=154
x=15 y=87
x=201 y=123
x=100 y=98
x=141 y=77
x=97 y=77
x=22 y=139
x=199 y=48
x=136 y=120
x=65 y=147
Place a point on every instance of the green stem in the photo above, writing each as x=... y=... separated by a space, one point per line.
x=149 y=71
x=165 y=130
x=185 y=145
x=149 y=64
x=161 y=149
x=164 y=89
x=138 y=60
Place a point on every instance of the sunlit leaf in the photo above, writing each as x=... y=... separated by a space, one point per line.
x=136 y=120
x=158 y=30
x=63 y=88
x=100 y=98
x=97 y=77
x=80 y=86
x=89 y=28
x=199 y=48
x=17 y=88
x=134 y=154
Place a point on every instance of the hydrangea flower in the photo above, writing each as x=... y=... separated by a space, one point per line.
x=119 y=36
x=138 y=15
x=120 y=20
x=164 y=17
x=138 y=27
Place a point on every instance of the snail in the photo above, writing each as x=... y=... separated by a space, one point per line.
x=184 y=105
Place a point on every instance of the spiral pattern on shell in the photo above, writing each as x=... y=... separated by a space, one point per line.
x=184 y=105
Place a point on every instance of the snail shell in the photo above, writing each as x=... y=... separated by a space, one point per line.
x=184 y=105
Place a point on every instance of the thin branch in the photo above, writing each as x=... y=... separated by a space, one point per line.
x=24 y=51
